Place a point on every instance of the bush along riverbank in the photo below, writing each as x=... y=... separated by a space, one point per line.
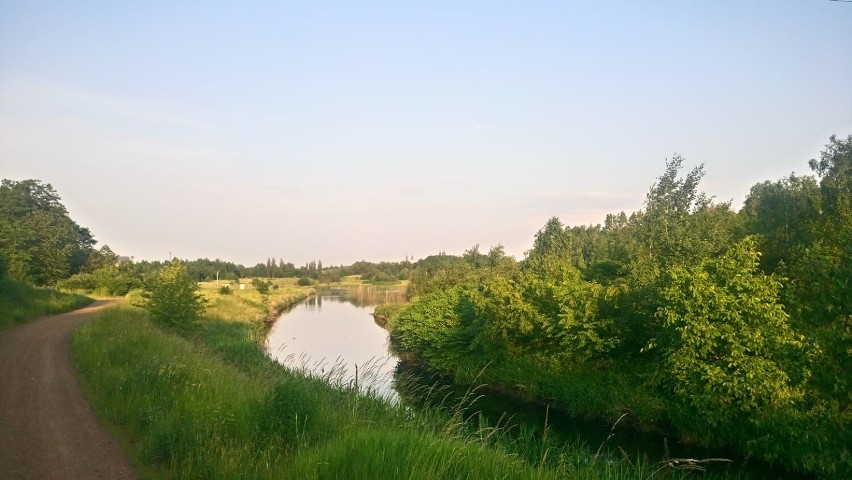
x=443 y=332
x=728 y=328
x=208 y=403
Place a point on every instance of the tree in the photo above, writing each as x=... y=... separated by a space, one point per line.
x=727 y=341
x=173 y=299
x=551 y=240
x=101 y=258
x=41 y=242
x=821 y=272
x=783 y=214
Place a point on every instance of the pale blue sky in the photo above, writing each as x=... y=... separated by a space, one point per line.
x=374 y=130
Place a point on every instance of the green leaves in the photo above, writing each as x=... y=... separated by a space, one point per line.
x=40 y=241
x=173 y=298
x=726 y=339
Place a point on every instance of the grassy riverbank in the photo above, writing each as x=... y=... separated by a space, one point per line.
x=211 y=404
x=432 y=332
x=20 y=303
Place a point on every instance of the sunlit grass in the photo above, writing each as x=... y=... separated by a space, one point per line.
x=212 y=405
x=20 y=303
x=247 y=304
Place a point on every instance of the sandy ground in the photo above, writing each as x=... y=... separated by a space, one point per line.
x=47 y=429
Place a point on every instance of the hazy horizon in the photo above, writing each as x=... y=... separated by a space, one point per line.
x=376 y=131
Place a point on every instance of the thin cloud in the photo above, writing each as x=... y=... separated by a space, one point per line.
x=27 y=89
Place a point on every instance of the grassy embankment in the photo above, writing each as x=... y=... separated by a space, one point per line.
x=590 y=393
x=20 y=303
x=213 y=405
x=807 y=441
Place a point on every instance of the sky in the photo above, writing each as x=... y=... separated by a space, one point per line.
x=346 y=131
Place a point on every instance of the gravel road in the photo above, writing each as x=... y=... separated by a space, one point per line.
x=47 y=430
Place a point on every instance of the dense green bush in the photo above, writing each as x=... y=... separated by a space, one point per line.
x=173 y=299
x=106 y=280
x=261 y=285
x=673 y=299
x=304 y=282
x=4 y=265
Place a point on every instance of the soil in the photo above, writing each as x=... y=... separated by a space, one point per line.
x=47 y=430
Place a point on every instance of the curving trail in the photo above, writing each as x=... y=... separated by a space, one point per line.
x=47 y=430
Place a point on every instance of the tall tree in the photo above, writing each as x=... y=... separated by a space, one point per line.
x=782 y=213
x=821 y=272
x=40 y=240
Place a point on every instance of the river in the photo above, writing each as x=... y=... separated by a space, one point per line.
x=334 y=335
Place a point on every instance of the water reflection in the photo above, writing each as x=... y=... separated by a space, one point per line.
x=333 y=335
x=421 y=388
x=370 y=295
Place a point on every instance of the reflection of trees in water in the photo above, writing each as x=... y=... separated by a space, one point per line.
x=420 y=387
x=367 y=295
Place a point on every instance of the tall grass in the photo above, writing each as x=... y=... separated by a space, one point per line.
x=212 y=405
x=250 y=306
x=20 y=303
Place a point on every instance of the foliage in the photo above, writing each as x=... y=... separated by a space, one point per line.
x=735 y=327
x=304 y=282
x=727 y=341
x=434 y=327
x=215 y=406
x=782 y=213
x=4 y=265
x=225 y=290
x=108 y=280
x=261 y=285
x=41 y=243
x=173 y=299
x=444 y=271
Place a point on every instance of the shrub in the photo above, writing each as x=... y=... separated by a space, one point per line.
x=261 y=286
x=304 y=282
x=173 y=299
x=225 y=290
x=79 y=281
x=4 y=263
x=108 y=280
x=114 y=282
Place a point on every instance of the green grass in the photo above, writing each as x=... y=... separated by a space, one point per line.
x=249 y=305
x=20 y=303
x=811 y=438
x=212 y=405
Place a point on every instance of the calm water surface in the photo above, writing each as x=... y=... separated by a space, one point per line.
x=333 y=332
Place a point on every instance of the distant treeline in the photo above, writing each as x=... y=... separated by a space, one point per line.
x=204 y=269
x=41 y=245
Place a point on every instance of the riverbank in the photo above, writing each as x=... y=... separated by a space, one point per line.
x=431 y=333
x=211 y=404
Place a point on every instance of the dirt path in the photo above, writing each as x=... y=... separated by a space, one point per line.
x=46 y=427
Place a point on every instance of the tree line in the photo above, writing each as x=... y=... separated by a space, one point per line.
x=40 y=244
x=729 y=326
